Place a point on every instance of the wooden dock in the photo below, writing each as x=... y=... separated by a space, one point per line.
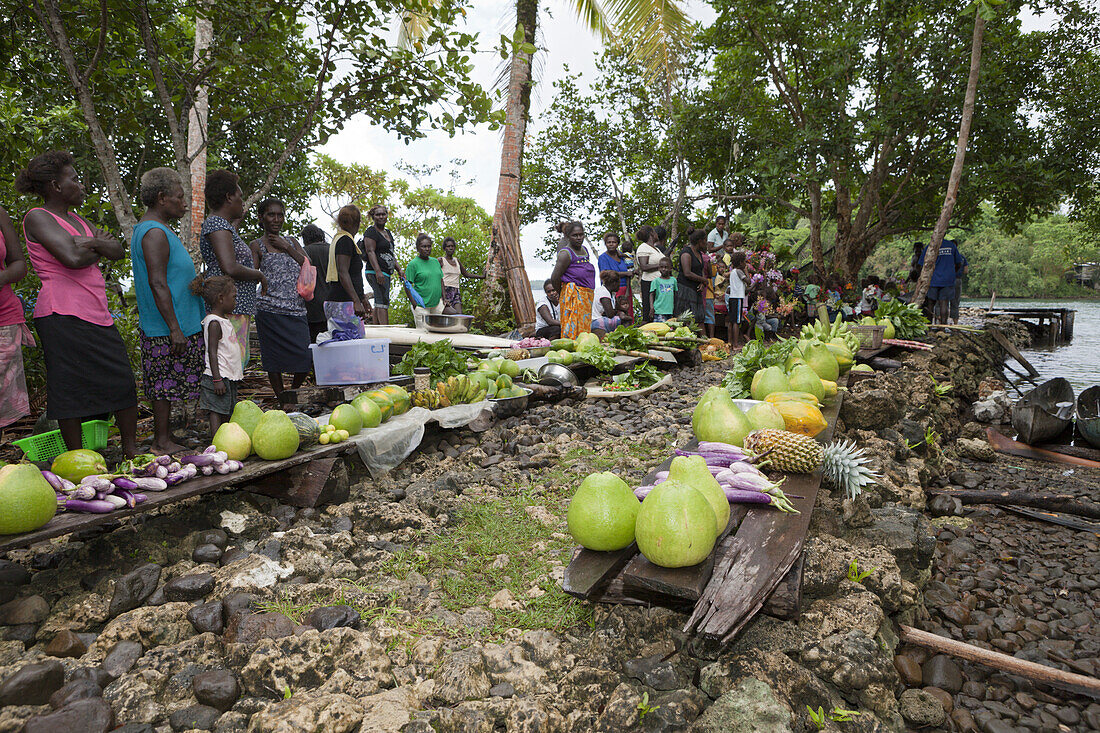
x=1050 y=327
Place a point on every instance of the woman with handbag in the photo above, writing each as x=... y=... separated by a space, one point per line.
x=281 y=320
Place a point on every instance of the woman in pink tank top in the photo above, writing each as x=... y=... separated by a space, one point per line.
x=88 y=372
x=14 y=334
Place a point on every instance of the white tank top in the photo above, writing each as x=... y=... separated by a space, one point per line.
x=452 y=274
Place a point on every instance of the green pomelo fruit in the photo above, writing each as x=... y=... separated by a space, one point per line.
x=27 y=501
x=602 y=513
x=347 y=417
x=587 y=341
x=805 y=379
x=764 y=415
x=868 y=321
x=74 y=465
x=491 y=390
x=233 y=440
x=510 y=368
x=675 y=527
x=717 y=419
x=842 y=355
x=247 y=414
x=890 y=331
x=863 y=368
x=766 y=381
x=822 y=361
x=792 y=361
x=275 y=436
x=479 y=378
x=566 y=357
x=693 y=471
x=486 y=366
x=369 y=411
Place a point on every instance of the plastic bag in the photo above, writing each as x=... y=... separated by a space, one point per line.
x=307 y=280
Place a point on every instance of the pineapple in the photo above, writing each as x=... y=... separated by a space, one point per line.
x=842 y=464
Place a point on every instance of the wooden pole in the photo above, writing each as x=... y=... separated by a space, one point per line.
x=1076 y=683
x=1065 y=503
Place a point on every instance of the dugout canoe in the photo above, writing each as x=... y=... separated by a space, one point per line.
x=1044 y=412
x=1088 y=415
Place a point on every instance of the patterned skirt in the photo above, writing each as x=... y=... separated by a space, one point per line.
x=453 y=298
x=14 y=402
x=166 y=376
x=576 y=310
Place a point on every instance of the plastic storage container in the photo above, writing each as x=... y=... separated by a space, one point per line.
x=47 y=446
x=360 y=361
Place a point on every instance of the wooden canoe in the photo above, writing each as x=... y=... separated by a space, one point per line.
x=1088 y=415
x=1044 y=412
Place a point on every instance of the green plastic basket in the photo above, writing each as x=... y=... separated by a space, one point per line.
x=47 y=446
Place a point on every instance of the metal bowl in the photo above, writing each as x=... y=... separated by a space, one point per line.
x=553 y=375
x=510 y=406
x=440 y=323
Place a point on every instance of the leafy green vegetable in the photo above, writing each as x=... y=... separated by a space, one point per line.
x=629 y=338
x=643 y=375
x=598 y=356
x=751 y=359
x=908 y=321
x=440 y=358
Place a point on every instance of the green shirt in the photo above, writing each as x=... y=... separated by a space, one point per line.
x=426 y=277
x=664 y=295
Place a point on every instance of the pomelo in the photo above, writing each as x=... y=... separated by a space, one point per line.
x=805 y=379
x=822 y=361
x=504 y=382
x=587 y=340
x=369 y=410
x=510 y=368
x=766 y=381
x=74 y=465
x=764 y=415
x=693 y=471
x=232 y=439
x=247 y=414
x=842 y=355
x=890 y=331
x=675 y=526
x=347 y=417
x=717 y=419
x=275 y=436
x=602 y=513
x=27 y=501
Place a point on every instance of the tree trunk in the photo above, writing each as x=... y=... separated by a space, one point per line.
x=506 y=255
x=196 y=140
x=816 y=248
x=957 y=167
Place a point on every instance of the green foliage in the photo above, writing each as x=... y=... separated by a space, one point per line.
x=440 y=357
x=644 y=708
x=817 y=717
x=855 y=574
x=753 y=357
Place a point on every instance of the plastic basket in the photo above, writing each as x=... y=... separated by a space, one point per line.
x=870 y=336
x=47 y=446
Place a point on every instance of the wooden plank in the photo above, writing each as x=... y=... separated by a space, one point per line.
x=306 y=485
x=785 y=602
x=1062 y=520
x=1013 y=351
x=67 y=523
x=1003 y=444
x=760 y=555
x=589 y=572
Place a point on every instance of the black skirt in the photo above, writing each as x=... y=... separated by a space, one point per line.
x=284 y=342
x=689 y=299
x=87 y=368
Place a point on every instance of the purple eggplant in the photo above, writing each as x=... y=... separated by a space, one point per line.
x=99 y=483
x=207 y=470
x=126 y=496
x=210 y=449
x=67 y=486
x=93 y=506
x=223 y=468
x=201 y=460
x=149 y=483
x=753 y=497
x=643 y=491
x=174 y=466
x=161 y=472
x=140 y=498
x=53 y=479
x=177 y=478
x=124 y=482
x=83 y=493
x=713 y=447
x=752 y=482
x=115 y=500
x=234 y=465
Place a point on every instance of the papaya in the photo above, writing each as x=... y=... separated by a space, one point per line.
x=563 y=345
x=802 y=417
x=776 y=397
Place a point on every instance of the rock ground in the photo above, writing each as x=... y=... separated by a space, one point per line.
x=431 y=600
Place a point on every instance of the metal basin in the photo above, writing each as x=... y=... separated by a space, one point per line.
x=439 y=323
x=557 y=374
x=511 y=406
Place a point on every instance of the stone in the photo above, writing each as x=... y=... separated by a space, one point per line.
x=195 y=717
x=216 y=537
x=942 y=505
x=32 y=684
x=207 y=617
x=207 y=554
x=232 y=555
x=75 y=690
x=122 y=657
x=920 y=708
x=13 y=574
x=945 y=698
x=26 y=633
x=978 y=450
x=189 y=587
x=871 y=409
x=461 y=677
x=964 y=721
x=908 y=670
x=249 y=628
x=90 y=715
x=988 y=411
x=217 y=688
x=66 y=644
x=504 y=689
x=330 y=617
x=25 y=610
x=504 y=600
x=751 y=707
x=235 y=603
x=942 y=672
x=654 y=671
x=133 y=588
x=96 y=674
x=311 y=712
x=135 y=728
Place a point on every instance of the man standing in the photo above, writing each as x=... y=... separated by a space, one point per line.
x=961 y=276
x=717 y=236
x=949 y=262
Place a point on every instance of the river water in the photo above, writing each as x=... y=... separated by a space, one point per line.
x=1079 y=361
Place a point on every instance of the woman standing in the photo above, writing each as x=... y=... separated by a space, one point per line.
x=574 y=277
x=692 y=280
x=381 y=263
x=225 y=253
x=613 y=261
x=344 y=274
x=87 y=370
x=280 y=312
x=313 y=241
x=14 y=334
x=169 y=314
x=453 y=272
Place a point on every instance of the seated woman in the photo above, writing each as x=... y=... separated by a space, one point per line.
x=547 y=313
x=605 y=316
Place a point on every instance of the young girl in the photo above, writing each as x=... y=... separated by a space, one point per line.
x=735 y=297
x=223 y=373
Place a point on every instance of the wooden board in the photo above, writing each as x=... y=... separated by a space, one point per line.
x=756 y=559
x=1063 y=520
x=1013 y=351
x=67 y=523
x=307 y=484
x=1003 y=444
x=589 y=572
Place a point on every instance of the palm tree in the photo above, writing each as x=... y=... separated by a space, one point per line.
x=657 y=30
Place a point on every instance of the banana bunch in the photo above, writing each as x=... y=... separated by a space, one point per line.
x=427 y=398
x=459 y=390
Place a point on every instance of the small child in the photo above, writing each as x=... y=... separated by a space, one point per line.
x=735 y=297
x=664 y=292
x=223 y=373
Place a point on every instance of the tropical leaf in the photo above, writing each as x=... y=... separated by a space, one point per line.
x=654 y=32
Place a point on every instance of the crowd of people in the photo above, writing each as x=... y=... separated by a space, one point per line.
x=194 y=328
